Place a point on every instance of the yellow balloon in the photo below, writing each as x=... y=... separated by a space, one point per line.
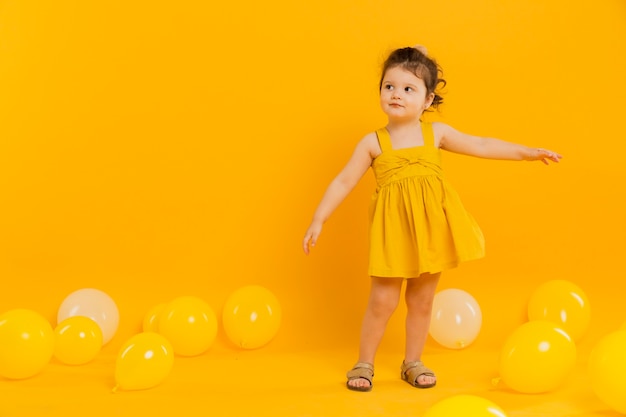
x=190 y=324
x=151 y=319
x=143 y=362
x=77 y=340
x=561 y=302
x=537 y=357
x=251 y=317
x=465 y=405
x=456 y=319
x=26 y=343
x=607 y=370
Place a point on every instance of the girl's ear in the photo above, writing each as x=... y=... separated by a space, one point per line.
x=429 y=100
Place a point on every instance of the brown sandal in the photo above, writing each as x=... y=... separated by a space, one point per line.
x=361 y=370
x=411 y=371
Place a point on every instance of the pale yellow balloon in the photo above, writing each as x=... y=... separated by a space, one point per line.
x=456 y=319
x=607 y=370
x=465 y=405
x=77 y=340
x=143 y=362
x=251 y=316
x=151 y=319
x=95 y=304
x=26 y=343
x=537 y=357
x=563 y=303
x=190 y=324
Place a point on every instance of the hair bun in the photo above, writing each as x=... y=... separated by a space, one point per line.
x=421 y=48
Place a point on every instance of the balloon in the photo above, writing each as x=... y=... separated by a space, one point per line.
x=537 y=357
x=96 y=305
x=465 y=405
x=456 y=319
x=151 y=319
x=77 y=339
x=190 y=324
x=563 y=303
x=26 y=343
x=607 y=370
x=251 y=317
x=143 y=362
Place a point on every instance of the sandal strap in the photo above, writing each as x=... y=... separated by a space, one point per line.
x=361 y=370
x=414 y=370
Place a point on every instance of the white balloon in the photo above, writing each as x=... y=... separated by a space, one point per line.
x=456 y=319
x=95 y=304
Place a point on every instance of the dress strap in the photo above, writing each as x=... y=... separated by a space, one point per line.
x=428 y=134
x=384 y=139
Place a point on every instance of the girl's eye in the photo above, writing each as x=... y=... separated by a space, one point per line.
x=388 y=87
x=408 y=89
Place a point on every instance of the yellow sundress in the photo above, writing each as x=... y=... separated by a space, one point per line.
x=417 y=221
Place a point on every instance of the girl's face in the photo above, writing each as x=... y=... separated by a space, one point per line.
x=403 y=95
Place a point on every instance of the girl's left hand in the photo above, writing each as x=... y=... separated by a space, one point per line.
x=544 y=155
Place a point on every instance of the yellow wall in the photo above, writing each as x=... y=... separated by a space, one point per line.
x=153 y=149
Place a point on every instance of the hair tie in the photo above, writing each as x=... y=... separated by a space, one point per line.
x=421 y=48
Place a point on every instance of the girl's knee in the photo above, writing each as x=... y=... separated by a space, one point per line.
x=384 y=296
x=383 y=305
x=422 y=307
x=420 y=302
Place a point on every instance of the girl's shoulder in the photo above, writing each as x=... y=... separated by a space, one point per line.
x=370 y=143
x=440 y=127
x=441 y=130
x=370 y=138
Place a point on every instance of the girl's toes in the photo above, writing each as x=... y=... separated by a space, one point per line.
x=426 y=380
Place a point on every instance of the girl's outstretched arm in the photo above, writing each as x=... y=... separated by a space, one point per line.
x=340 y=187
x=452 y=140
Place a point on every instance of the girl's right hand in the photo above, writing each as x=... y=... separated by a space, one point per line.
x=310 y=237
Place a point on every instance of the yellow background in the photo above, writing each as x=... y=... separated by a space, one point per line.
x=152 y=149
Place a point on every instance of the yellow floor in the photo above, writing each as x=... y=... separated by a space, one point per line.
x=301 y=373
x=260 y=383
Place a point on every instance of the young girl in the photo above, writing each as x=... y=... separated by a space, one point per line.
x=418 y=225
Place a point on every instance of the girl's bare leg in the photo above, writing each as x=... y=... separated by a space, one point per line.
x=419 y=296
x=383 y=300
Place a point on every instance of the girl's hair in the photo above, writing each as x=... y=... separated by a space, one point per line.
x=415 y=60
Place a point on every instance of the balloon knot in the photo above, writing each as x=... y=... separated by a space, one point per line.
x=495 y=381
